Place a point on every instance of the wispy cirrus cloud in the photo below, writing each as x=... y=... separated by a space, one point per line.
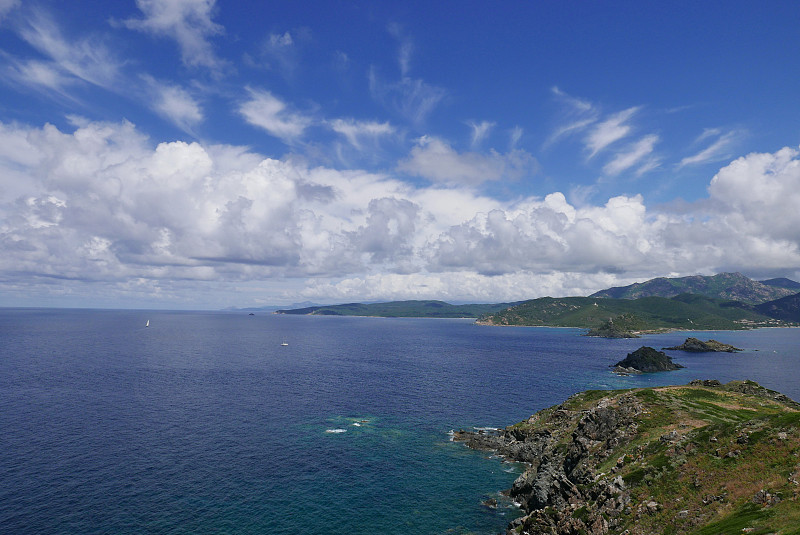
x=174 y=103
x=359 y=132
x=606 y=132
x=87 y=59
x=578 y=115
x=188 y=22
x=412 y=98
x=716 y=150
x=266 y=111
x=635 y=154
x=480 y=131
x=6 y=6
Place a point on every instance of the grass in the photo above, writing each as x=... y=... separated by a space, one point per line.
x=746 y=516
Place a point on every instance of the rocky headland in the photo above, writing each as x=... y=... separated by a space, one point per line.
x=699 y=458
x=694 y=345
x=646 y=360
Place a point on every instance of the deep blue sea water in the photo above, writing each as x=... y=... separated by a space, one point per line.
x=204 y=423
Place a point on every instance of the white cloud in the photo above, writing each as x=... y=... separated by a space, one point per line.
x=86 y=59
x=6 y=6
x=281 y=53
x=357 y=132
x=634 y=155
x=480 y=131
x=268 y=112
x=578 y=115
x=174 y=104
x=406 y=49
x=437 y=161
x=99 y=209
x=189 y=22
x=413 y=98
x=609 y=131
x=40 y=74
x=515 y=136
x=713 y=152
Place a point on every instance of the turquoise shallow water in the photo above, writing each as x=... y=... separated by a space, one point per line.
x=203 y=422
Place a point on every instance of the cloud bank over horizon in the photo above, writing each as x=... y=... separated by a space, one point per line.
x=183 y=154
x=102 y=205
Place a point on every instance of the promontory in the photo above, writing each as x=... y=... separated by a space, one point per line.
x=703 y=458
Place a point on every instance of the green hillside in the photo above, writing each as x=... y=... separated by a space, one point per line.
x=685 y=311
x=786 y=309
x=402 y=309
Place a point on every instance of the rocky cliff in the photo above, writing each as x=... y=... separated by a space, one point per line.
x=680 y=459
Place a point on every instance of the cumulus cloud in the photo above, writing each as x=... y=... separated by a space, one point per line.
x=437 y=161
x=102 y=205
x=266 y=111
x=189 y=22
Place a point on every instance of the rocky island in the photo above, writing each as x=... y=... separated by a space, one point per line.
x=693 y=345
x=646 y=360
x=703 y=458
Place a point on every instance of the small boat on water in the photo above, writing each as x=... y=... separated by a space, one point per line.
x=147 y=324
x=284 y=343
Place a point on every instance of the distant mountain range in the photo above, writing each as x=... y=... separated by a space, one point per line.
x=402 y=309
x=725 y=301
x=730 y=286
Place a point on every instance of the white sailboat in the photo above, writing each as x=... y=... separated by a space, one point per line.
x=284 y=343
x=147 y=324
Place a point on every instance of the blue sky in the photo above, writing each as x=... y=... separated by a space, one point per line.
x=201 y=154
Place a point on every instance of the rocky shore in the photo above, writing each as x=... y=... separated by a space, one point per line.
x=655 y=460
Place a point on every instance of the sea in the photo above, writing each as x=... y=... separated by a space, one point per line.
x=204 y=422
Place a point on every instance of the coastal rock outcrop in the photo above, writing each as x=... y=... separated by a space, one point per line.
x=651 y=460
x=646 y=360
x=694 y=345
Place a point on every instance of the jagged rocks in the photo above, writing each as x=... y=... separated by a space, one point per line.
x=560 y=491
x=643 y=460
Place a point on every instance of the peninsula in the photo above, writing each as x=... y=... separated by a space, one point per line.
x=703 y=458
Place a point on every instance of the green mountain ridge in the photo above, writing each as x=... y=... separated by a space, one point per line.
x=610 y=316
x=685 y=312
x=730 y=286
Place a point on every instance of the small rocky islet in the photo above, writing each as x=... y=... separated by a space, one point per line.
x=695 y=345
x=699 y=458
x=646 y=360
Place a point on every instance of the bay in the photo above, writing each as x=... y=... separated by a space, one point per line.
x=204 y=422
